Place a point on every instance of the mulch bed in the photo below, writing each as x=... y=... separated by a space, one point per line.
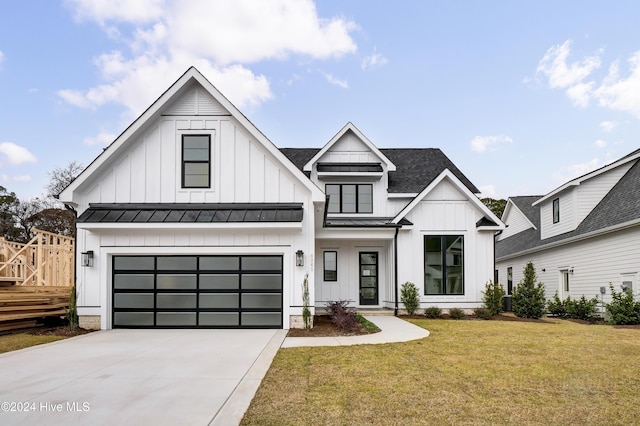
x=323 y=327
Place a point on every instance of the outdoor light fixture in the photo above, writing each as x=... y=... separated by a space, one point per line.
x=87 y=258
x=299 y=258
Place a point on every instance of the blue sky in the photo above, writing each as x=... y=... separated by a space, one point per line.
x=521 y=96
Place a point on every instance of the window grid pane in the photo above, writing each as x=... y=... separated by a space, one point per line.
x=349 y=198
x=444 y=265
x=196 y=161
x=330 y=266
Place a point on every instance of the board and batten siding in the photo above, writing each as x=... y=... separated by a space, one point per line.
x=596 y=262
x=446 y=211
x=516 y=222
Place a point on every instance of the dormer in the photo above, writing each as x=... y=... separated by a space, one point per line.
x=353 y=172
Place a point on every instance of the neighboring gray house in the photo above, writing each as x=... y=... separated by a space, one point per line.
x=193 y=218
x=581 y=236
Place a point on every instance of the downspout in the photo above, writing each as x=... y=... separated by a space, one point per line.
x=395 y=269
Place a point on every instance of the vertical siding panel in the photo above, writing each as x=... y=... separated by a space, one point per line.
x=123 y=181
x=170 y=177
x=256 y=174
x=227 y=161
x=241 y=167
x=108 y=188
x=152 y=166
x=271 y=179
x=137 y=173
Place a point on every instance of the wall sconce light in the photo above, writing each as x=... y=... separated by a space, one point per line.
x=571 y=270
x=299 y=258
x=544 y=270
x=87 y=258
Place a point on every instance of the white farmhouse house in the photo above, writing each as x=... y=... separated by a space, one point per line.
x=580 y=237
x=193 y=218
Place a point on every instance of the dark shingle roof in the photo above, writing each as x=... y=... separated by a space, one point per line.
x=415 y=167
x=620 y=205
x=189 y=213
x=524 y=203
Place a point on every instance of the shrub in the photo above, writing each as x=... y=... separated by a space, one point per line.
x=482 y=313
x=623 y=309
x=557 y=307
x=410 y=297
x=493 y=296
x=433 y=312
x=456 y=313
x=342 y=316
x=582 y=308
x=528 y=297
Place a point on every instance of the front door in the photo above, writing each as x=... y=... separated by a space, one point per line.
x=368 y=278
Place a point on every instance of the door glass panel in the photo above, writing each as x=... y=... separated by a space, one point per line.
x=368 y=258
x=176 y=300
x=220 y=263
x=368 y=281
x=133 y=319
x=219 y=301
x=183 y=319
x=132 y=263
x=264 y=319
x=175 y=281
x=262 y=300
x=219 y=282
x=219 y=319
x=262 y=282
x=133 y=281
x=177 y=263
x=133 y=300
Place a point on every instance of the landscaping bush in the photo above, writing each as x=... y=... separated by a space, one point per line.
x=582 y=308
x=528 y=297
x=456 y=313
x=433 y=312
x=482 y=313
x=623 y=309
x=492 y=297
x=410 y=297
x=342 y=316
x=557 y=307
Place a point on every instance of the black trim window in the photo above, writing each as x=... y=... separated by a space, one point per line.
x=509 y=281
x=196 y=161
x=443 y=264
x=331 y=266
x=556 y=210
x=350 y=198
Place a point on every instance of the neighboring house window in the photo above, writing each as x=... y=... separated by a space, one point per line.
x=196 y=161
x=509 y=281
x=443 y=264
x=556 y=210
x=350 y=198
x=565 y=282
x=331 y=266
x=496 y=276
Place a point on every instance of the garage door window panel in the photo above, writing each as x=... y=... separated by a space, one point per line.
x=177 y=282
x=219 y=282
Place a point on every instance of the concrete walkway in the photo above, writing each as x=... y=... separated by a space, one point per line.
x=394 y=330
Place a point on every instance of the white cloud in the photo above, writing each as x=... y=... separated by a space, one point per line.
x=561 y=74
x=614 y=92
x=482 y=143
x=335 y=81
x=102 y=139
x=574 y=170
x=608 y=126
x=374 y=60
x=488 y=191
x=600 y=143
x=220 y=38
x=1 y=58
x=16 y=154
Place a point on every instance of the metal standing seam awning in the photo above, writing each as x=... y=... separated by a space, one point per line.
x=219 y=213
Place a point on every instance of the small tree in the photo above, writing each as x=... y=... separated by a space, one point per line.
x=528 y=297
x=306 y=312
x=61 y=177
x=492 y=298
x=409 y=297
x=72 y=312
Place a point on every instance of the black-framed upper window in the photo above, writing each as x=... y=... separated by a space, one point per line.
x=196 y=161
x=443 y=264
x=330 y=266
x=350 y=198
x=556 y=210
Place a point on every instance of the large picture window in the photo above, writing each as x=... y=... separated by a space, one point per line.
x=196 y=161
x=350 y=198
x=443 y=264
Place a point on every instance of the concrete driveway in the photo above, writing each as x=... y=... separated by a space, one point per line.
x=159 y=377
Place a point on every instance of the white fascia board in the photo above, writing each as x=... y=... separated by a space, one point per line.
x=191 y=225
x=402 y=195
x=577 y=238
x=577 y=181
x=446 y=174
x=355 y=234
x=349 y=126
x=347 y=175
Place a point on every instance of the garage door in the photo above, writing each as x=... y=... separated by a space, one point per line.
x=197 y=291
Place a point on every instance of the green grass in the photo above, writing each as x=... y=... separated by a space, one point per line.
x=368 y=325
x=465 y=372
x=13 y=342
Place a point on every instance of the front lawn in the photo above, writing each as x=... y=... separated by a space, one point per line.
x=465 y=372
